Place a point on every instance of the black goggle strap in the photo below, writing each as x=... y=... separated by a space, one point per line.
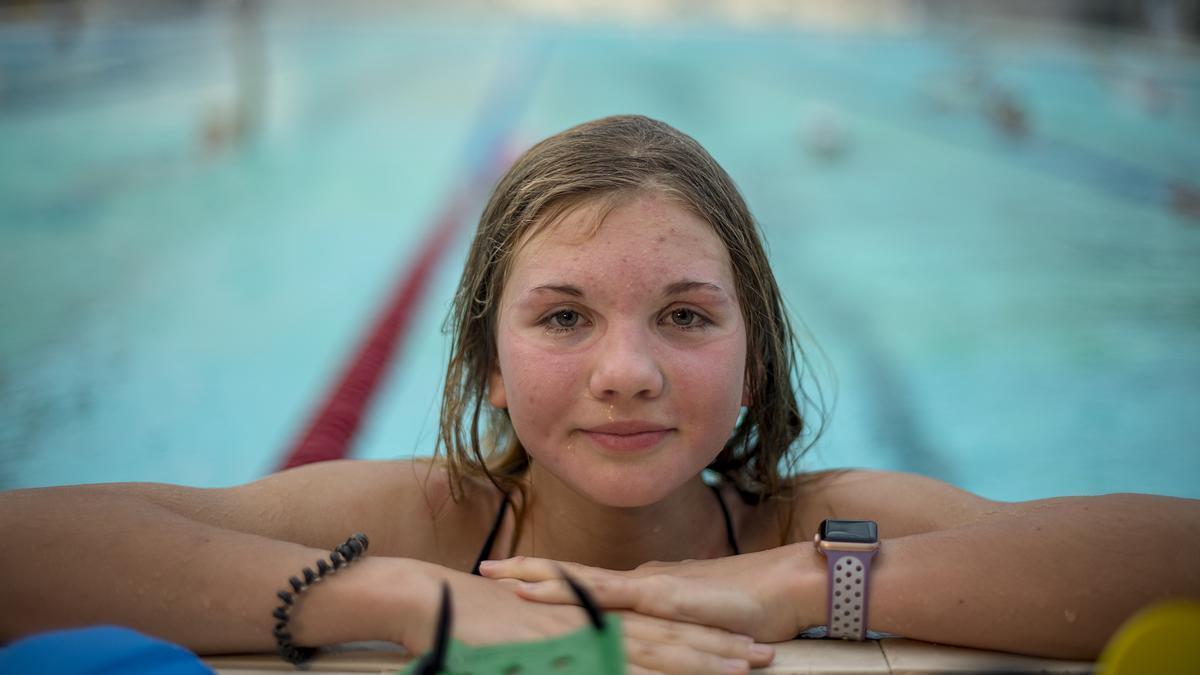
x=585 y=600
x=434 y=660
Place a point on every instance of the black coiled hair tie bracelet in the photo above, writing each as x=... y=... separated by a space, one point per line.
x=344 y=554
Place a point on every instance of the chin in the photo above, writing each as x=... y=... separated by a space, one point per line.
x=629 y=488
x=623 y=498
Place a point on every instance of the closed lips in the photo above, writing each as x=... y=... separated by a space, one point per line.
x=627 y=428
x=625 y=437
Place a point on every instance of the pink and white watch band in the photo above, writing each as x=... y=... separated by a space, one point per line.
x=848 y=587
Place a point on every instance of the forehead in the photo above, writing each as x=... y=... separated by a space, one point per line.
x=645 y=235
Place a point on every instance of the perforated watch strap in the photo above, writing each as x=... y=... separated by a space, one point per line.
x=849 y=578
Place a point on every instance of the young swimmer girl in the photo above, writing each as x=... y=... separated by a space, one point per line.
x=617 y=331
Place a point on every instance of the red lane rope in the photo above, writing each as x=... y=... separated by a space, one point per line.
x=329 y=433
x=332 y=428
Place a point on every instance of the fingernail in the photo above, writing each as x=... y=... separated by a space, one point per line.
x=760 y=651
x=736 y=666
x=487 y=564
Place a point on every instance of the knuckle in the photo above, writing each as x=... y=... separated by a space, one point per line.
x=716 y=664
x=642 y=649
x=660 y=588
x=699 y=662
x=732 y=645
x=660 y=581
x=650 y=585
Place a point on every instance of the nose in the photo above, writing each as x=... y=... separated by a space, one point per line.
x=625 y=366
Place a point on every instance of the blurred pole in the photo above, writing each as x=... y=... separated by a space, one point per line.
x=227 y=130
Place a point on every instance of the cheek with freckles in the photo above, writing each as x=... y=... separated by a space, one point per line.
x=546 y=394
x=540 y=388
x=708 y=388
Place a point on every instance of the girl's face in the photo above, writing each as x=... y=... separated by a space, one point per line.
x=622 y=354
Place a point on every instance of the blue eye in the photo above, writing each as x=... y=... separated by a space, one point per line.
x=561 y=321
x=683 y=317
x=566 y=318
x=686 y=319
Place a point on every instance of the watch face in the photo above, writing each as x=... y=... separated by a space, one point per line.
x=850 y=531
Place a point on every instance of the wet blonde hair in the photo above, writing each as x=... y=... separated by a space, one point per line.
x=602 y=162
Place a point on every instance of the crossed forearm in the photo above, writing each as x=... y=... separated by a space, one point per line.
x=79 y=557
x=1053 y=578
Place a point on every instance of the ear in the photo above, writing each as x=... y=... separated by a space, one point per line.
x=496 y=394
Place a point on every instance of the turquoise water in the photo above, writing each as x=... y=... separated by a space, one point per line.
x=987 y=235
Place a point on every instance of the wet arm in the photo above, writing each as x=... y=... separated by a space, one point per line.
x=80 y=556
x=1052 y=577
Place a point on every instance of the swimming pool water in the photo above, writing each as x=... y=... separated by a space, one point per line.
x=987 y=234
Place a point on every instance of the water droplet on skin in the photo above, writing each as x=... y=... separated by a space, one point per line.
x=610 y=409
x=1070 y=615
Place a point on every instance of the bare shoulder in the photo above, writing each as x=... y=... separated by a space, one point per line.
x=902 y=503
x=406 y=507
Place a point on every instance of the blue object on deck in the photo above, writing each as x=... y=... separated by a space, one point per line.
x=99 y=650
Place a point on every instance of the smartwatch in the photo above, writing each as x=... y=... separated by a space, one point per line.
x=848 y=547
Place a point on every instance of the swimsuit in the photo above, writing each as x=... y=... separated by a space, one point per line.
x=486 y=551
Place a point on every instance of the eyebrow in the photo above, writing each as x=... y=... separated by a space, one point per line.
x=681 y=287
x=565 y=289
x=676 y=288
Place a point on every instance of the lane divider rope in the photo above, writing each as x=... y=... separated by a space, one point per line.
x=330 y=431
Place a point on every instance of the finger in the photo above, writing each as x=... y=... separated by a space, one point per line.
x=661 y=564
x=531 y=569
x=609 y=591
x=680 y=659
x=638 y=670
x=657 y=595
x=704 y=638
x=620 y=593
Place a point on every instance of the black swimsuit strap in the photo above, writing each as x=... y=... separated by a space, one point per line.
x=733 y=545
x=491 y=538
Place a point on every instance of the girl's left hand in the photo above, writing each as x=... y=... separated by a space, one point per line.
x=757 y=594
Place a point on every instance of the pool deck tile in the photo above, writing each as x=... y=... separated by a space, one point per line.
x=911 y=656
x=808 y=657
x=361 y=661
x=818 y=657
